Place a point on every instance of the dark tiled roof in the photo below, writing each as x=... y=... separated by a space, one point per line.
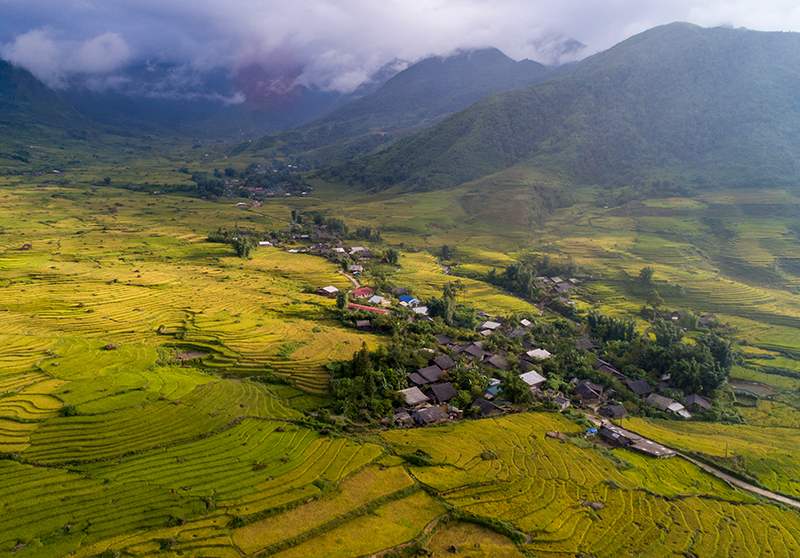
x=444 y=362
x=417 y=379
x=430 y=415
x=475 y=351
x=613 y=411
x=588 y=390
x=443 y=392
x=443 y=339
x=697 y=401
x=430 y=373
x=486 y=408
x=498 y=361
x=639 y=387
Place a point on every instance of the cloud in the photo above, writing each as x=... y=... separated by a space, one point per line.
x=53 y=60
x=337 y=44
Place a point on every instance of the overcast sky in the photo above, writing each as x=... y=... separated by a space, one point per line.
x=333 y=44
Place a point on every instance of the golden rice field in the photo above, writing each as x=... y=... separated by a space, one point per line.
x=541 y=486
x=115 y=442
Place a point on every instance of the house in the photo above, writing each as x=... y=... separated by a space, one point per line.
x=616 y=436
x=667 y=405
x=659 y=401
x=524 y=322
x=640 y=387
x=443 y=392
x=417 y=379
x=613 y=411
x=372 y=309
x=420 y=310
x=561 y=402
x=485 y=408
x=678 y=409
x=339 y=250
x=486 y=333
x=620 y=437
x=264 y=243
x=564 y=287
x=588 y=391
x=363 y=292
x=444 y=362
x=539 y=354
x=363 y=324
x=330 y=291
x=697 y=403
x=403 y=418
x=490 y=325
x=474 y=351
x=413 y=396
x=430 y=415
x=378 y=300
x=498 y=361
x=494 y=389
x=431 y=373
x=355 y=268
x=443 y=339
x=532 y=378
x=408 y=300
x=357 y=249
x=607 y=368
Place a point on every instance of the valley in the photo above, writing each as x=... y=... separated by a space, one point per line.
x=294 y=301
x=118 y=285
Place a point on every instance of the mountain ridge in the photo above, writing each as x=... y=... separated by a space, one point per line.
x=417 y=97
x=677 y=100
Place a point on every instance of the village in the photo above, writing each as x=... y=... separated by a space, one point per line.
x=428 y=399
x=502 y=352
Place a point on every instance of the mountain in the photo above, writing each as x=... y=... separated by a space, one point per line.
x=417 y=97
x=30 y=112
x=677 y=102
x=26 y=103
x=168 y=99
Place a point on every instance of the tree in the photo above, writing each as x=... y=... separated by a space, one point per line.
x=607 y=328
x=667 y=334
x=391 y=256
x=446 y=252
x=341 y=300
x=515 y=389
x=646 y=275
x=243 y=246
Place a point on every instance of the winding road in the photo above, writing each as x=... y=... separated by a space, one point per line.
x=738 y=483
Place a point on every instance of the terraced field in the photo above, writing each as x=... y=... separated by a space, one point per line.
x=139 y=413
x=542 y=487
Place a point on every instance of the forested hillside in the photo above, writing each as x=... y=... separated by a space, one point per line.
x=675 y=101
x=417 y=97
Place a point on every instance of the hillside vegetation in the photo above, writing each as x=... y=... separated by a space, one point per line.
x=675 y=102
x=415 y=98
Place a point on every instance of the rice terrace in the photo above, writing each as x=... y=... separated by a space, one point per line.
x=278 y=282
